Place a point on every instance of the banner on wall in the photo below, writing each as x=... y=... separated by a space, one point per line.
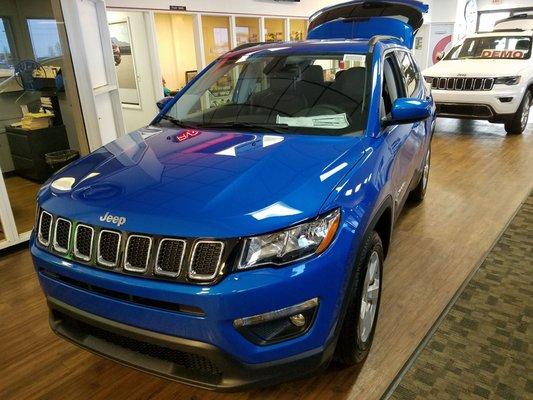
x=440 y=40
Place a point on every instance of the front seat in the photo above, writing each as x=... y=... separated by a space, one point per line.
x=282 y=96
x=347 y=91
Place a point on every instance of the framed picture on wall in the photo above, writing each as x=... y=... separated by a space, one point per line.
x=124 y=62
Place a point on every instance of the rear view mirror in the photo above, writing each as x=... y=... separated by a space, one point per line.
x=439 y=56
x=161 y=103
x=408 y=110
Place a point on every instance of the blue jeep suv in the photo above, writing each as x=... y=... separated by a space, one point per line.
x=239 y=239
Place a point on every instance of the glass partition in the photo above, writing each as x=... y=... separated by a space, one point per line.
x=247 y=30
x=177 y=50
x=216 y=36
x=298 y=29
x=274 y=29
x=40 y=129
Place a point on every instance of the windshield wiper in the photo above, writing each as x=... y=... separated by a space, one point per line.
x=178 y=122
x=276 y=128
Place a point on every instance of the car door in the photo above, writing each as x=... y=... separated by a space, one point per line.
x=396 y=136
x=413 y=147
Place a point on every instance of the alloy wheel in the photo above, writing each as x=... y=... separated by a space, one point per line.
x=425 y=175
x=525 y=111
x=369 y=297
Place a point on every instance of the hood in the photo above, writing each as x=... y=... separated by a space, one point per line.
x=479 y=68
x=202 y=183
x=365 y=19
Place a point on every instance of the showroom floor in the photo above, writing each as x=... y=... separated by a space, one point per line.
x=478 y=180
x=482 y=348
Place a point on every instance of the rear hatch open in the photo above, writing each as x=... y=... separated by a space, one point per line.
x=365 y=19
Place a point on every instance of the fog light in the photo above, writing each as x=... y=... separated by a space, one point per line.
x=278 y=325
x=505 y=99
x=298 y=320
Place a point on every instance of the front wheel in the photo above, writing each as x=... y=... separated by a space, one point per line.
x=518 y=123
x=418 y=194
x=359 y=323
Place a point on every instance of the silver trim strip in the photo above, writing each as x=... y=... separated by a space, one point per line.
x=56 y=246
x=99 y=258
x=202 y=277
x=39 y=234
x=158 y=270
x=272 y=315
x=77 y=254
x=127 y=265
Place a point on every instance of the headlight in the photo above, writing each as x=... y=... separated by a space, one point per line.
x=291 y=244
x=429 y=79
x=507 y=80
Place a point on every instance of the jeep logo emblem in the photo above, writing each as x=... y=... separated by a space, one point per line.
x=113 y=219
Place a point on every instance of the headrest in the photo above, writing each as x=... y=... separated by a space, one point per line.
x=281 y=79
x=351 y=76
x=313 y=74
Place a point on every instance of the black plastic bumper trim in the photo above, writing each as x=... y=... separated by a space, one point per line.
x=234 y=375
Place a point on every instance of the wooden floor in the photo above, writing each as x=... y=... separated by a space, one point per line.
x=21 y=193
x=478 y=179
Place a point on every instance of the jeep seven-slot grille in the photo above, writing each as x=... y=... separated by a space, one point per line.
x=137 y=253
x=206 y=257
x=463 y=84
x=83 y=242
x=108 y=248
x=152 y=256
x=62 y=235
x=45 y=228
x=169 y=257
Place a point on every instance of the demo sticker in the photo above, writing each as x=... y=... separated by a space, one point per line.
x=509 y=54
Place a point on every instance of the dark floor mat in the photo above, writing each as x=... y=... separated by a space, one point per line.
x=483 y=349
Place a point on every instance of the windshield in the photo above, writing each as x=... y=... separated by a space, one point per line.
x=493 y=47
x=315 y=94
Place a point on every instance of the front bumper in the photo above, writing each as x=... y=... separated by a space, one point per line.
x=188 y=361
x=81 y=293
x=479 y=104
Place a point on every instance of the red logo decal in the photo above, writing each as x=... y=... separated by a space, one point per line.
x=184 y=135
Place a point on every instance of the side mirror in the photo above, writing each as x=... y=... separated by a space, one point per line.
x=408 y=110
x=440 y=55
x=161 y=103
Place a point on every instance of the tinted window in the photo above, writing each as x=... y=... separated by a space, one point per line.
x=409 y=72
x=393 y=87
x=297 y=93
x=493 y=47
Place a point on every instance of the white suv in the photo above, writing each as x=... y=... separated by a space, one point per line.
x=488 y=76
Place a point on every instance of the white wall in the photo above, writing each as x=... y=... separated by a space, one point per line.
x=263 y=7
x=484 y=5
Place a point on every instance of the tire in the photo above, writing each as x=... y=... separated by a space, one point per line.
x=418 y=194
x=355 y=336
x=518 y=123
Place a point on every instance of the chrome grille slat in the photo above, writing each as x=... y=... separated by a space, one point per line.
x=62 y=235
x=44 y=231
x=169 y=258
x=137 y=253
x=206 y=258
x=83 y=242
x=108 y=249
x=463 y=84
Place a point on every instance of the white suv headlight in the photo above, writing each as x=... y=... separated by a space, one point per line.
x=291 y=244
x=507 y=80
